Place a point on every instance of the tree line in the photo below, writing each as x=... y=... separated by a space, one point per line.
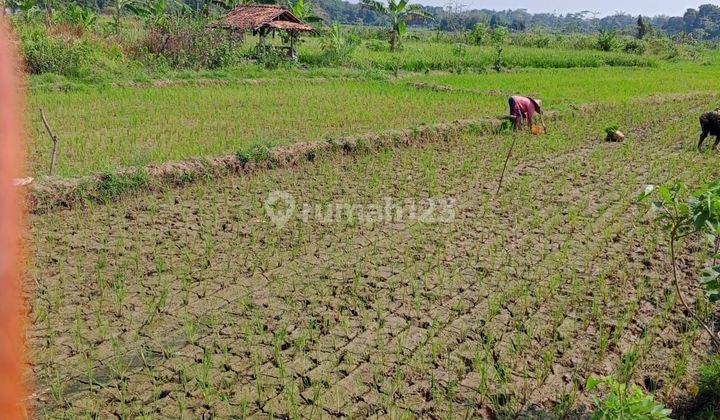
x=702 y=23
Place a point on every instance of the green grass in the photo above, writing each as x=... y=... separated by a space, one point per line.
x=112 y=186
x=561 y=88
x=102 y=59
x=709 y=378
x=103 y=129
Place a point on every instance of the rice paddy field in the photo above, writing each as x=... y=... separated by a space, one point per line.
x=109 y=127
x=191 y=303
x=405 y=282
x=117 y=127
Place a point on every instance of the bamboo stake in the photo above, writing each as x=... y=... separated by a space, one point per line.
x=507 y=159
x=54 y=139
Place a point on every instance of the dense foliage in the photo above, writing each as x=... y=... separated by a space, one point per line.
x=148 y=48
x=132 y=40
x=182 y=42
x=702 y=23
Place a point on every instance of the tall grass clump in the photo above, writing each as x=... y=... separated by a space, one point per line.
x=113 y=185
x=657 y=46
x=65 y=54
x=709 y=379
x=434 y=56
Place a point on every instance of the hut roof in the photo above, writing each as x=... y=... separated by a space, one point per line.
x=255 y=16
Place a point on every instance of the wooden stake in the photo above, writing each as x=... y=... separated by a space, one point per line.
x=502 y=176
x=54 y=139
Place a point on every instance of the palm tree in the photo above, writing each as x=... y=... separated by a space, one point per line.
x=400 y=13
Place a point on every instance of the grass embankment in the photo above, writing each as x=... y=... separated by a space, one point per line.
x=241 y=73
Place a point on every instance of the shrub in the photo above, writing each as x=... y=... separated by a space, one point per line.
x=184 y=42
x=76 y=15
x=460 y=51
x=257 y=153
x=24 y=10
x=271 y=58
x=609 y=41
x=65 y=56
x=635 y=46
x=682 y=215
x=338 y=46
x=533 y=40
x=499 y=35
x=376 y=46
x=625 y=402
x=479 y=34
x=243 y=157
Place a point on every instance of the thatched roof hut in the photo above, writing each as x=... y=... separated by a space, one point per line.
x=257 y=16
x=262 y=19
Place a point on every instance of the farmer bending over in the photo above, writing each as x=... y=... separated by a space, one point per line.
x=524 y=109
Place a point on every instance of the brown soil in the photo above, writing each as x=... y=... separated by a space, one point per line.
x=191 y=302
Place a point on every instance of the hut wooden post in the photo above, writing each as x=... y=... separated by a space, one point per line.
x=293 y=34
x=261 y=43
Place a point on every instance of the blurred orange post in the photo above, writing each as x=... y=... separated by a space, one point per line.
x=12 y=322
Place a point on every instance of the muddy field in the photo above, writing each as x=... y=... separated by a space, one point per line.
x=193 y=302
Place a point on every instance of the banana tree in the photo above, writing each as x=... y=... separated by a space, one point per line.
x=303 y=10
x=400 y=13
x=82 y=17
x=121 y=6
x=152 y=10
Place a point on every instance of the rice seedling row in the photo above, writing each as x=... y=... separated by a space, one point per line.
x=103 y=129
x=190 y=302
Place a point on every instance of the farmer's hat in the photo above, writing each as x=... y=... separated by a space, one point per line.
x=537 y=103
